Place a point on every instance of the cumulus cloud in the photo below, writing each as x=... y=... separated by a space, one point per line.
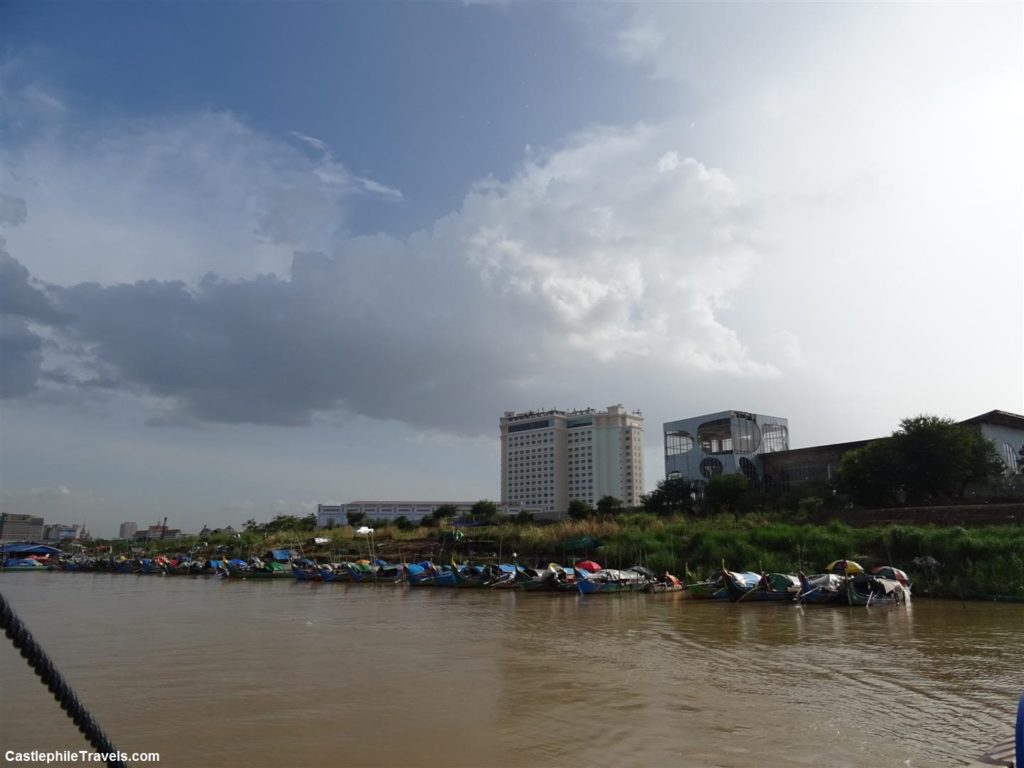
x=611 y=252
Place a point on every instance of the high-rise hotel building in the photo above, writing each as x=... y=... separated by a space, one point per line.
x=549 y=458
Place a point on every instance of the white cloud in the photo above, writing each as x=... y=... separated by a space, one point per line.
x=605 y=253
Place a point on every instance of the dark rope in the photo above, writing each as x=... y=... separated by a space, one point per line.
x=57 y=685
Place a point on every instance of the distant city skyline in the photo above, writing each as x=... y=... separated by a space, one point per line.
x=259 y=256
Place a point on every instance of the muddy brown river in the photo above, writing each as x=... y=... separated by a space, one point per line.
x=238 y=673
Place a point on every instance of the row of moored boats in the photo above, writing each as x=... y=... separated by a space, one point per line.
x=844 y=582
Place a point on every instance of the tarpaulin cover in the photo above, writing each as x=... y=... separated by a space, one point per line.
x=27 y=548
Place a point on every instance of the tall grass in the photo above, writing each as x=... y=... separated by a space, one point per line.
x=943 y=561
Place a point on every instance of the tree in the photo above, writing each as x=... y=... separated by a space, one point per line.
x=443 y=511
x=673 y=495
x=942 y=457
x=484 y=509
x=608 y=505
x=579 y=510
x=724 y=492
x=523 y=518
x=355 y=518
x=927 y=458
x=872 y=475
x=403 y=523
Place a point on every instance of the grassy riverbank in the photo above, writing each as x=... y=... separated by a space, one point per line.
x=944 y=561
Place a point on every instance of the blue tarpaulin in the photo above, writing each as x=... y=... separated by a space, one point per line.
x=28 y=548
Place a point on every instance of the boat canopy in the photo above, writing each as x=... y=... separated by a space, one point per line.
x=28 y=548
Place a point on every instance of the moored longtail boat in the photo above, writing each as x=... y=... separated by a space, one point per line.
x=821 y=589
x=665 y=583
x=867 y=590
x=712 y=588
x=753 y=587
x=610 y=581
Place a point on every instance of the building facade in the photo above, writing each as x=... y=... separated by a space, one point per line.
x=61 y=532
x=127 y=530
x=728 y=442
x=550 y=458
x=20 y=527
x=1005 y=430
x=720 y=443
x=332 y=515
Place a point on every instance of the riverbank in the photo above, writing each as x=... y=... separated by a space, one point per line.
x=983 y=562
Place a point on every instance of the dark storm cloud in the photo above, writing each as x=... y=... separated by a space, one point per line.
x=274 y=351
x=19 y=297
x=20 y=357
x=21 y=348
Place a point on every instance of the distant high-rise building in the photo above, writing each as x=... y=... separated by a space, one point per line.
x=61 y=532
x=20 y=527
x=127 y=530
x=549 y=458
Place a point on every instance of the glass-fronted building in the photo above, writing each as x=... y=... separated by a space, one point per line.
x=728 y=442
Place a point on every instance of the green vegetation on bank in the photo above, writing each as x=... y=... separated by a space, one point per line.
x=684 y=526
x=984 y=562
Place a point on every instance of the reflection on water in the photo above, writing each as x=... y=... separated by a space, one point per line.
x=271 y=673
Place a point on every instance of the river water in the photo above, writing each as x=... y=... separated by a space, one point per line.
x=250 y=673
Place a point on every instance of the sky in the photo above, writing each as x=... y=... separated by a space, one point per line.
x=263 y=255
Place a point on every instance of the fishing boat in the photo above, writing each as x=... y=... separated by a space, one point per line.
x=239 y=569
x=868 y=589
x=665 y=583
x=712 y=588
x=554 y=578
x=820 y=589
x=28 y=564
x=770 y=587
x=420 y=574
x=611 y=581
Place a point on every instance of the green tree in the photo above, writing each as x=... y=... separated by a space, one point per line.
x=484 y=509
x=724 y=493
x=443 y=511
x=608 y=505
x=403 y=523
x=355 y=518
x=928 y=458
x=942 y=457
x=579 y=510
x=872 y=475
x=673 y=495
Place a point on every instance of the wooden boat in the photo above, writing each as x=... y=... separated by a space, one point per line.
x=362 y=572
x=771 y=587
x=820 y=589
x=554 y=578
x=28 y=565
x=665 y=583
x=741 y=586
x=611 y=581
x=269 y=571
x=866 y=589
x=712 y=588
x=420 y=574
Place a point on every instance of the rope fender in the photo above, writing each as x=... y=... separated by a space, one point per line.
x=51 y=677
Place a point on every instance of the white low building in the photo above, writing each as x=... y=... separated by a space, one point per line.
x=331 y=515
